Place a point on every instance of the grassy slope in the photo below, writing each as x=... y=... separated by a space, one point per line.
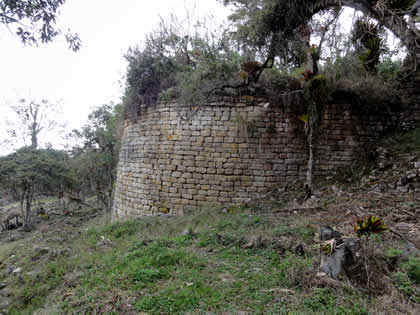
x=150 y=266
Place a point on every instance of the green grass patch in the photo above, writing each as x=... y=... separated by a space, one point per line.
x=121 y=229
x=150 y=266
x=412 y=267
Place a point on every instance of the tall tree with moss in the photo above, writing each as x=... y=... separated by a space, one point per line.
x=267 y=24
x=275 y=28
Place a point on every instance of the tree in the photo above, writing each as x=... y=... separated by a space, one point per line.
x=280 y=30
x=95 y=159
x=29 y=172
x=267 y=24
x=183 y=62
x=33 y=118
x=34 y=21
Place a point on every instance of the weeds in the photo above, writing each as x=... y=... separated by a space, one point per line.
x=150 y=266
x=405 y=142
x=121 y=229
x=412 y=267
x=302 y=229
x=321 y=300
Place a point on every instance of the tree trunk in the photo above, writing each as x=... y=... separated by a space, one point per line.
x=34 y=140
x=25 y=205
x=309 y=171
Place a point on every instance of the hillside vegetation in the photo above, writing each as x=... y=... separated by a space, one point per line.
x=260 y=258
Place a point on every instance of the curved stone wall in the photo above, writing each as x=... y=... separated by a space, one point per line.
x=176 y=158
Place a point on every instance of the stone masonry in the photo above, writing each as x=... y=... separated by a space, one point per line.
x=176 y=158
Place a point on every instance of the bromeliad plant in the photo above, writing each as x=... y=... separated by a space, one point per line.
x=369 y=225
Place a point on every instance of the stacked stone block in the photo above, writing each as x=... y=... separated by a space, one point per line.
x=176 y=158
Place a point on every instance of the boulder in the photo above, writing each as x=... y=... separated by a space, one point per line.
x=338 y=254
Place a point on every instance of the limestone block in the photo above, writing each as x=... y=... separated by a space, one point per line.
x=187 y=196
x=220 y=170
x=200 y=197
x=200 y=158
x=212 y=199
x=197 y=176
x=181 y=168
x=201 y=170
x=220 y=134
x=188 y=162
x=214 y=193
x=211 y=170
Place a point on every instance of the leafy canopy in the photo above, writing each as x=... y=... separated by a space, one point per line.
x=267 y=24
x=34 y=21
x=42 y=170
x=95 y=158
x=192 y=62
x=188 y=60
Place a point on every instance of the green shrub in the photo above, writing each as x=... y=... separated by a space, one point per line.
x=389 y=69
x=171 y=303
x=353 y=309
x=349 y=82
x=403 y=283
x=412 y=267
x=392 y=255
x=121 y=229
x=322 y=300
x=292 y=270
x=147 y=275
x=404 y=142
x=157 y=254
x=302 y=230
x=165 y=68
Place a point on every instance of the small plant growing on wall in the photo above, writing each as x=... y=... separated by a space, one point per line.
x=245 y=127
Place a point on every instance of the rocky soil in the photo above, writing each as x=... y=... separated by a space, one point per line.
x=50 y=237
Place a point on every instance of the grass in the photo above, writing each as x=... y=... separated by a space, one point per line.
x=150 y=266
x=405 y=142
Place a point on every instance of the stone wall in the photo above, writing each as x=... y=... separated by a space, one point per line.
x=176 y=158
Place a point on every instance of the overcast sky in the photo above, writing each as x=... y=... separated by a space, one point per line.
x=92 y=76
